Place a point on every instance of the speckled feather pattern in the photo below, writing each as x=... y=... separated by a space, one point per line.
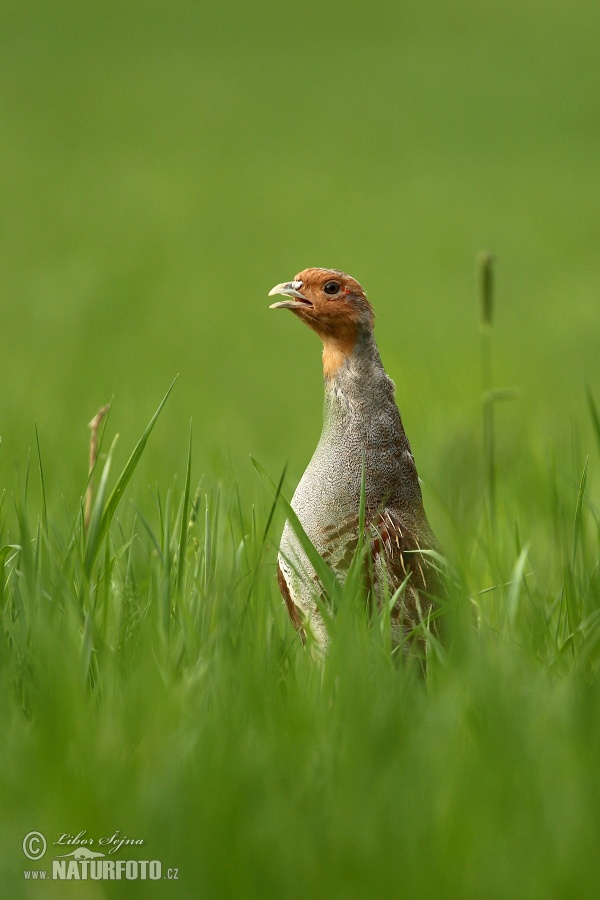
x=361 y=422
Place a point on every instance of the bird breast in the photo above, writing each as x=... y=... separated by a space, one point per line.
x=361 y=427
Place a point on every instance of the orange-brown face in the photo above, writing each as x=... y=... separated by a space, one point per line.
x=330 y=302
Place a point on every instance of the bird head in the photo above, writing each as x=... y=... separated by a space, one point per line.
x=331 y=303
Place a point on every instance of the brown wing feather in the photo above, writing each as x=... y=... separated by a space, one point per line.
x=290 y=605
x=397 y=548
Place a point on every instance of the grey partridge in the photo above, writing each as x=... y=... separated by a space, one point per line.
x=361 y=428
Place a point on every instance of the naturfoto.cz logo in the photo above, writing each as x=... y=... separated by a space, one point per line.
x=81 y=863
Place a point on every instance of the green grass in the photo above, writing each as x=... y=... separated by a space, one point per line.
x=151 y=683
x=161 y=167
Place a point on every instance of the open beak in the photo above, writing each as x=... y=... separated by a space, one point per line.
x=291 y=290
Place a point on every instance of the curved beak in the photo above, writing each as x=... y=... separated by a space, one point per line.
x=291 y=290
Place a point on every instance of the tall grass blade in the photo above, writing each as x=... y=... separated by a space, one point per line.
x=516 y=583
x=183 y=533
x=95 y=443
x=87 y=646
x=486 y=264
x=42 y=484
x=117 y=492
x=165 y=586
x=487 y=398
x=326 y=575
x=265 y=534
x=95 y=534
x=594 y=413
x=579 y=510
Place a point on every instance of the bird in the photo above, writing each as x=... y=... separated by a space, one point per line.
x=362 y=441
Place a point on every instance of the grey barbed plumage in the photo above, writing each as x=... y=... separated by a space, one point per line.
x=361 y=422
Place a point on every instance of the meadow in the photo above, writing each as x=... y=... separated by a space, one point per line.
x=161 y=168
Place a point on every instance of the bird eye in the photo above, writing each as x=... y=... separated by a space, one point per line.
x=332 y=287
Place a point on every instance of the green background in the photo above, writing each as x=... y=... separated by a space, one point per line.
x=163 y=165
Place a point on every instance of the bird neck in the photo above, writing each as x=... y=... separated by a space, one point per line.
x=340 y=347
x=362 y=427
x=335 y=353
x=358 y=382
x=348 y=349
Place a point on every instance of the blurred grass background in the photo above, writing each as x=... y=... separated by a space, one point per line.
x=161 y=167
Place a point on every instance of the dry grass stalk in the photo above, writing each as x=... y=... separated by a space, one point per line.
x=94 y=426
